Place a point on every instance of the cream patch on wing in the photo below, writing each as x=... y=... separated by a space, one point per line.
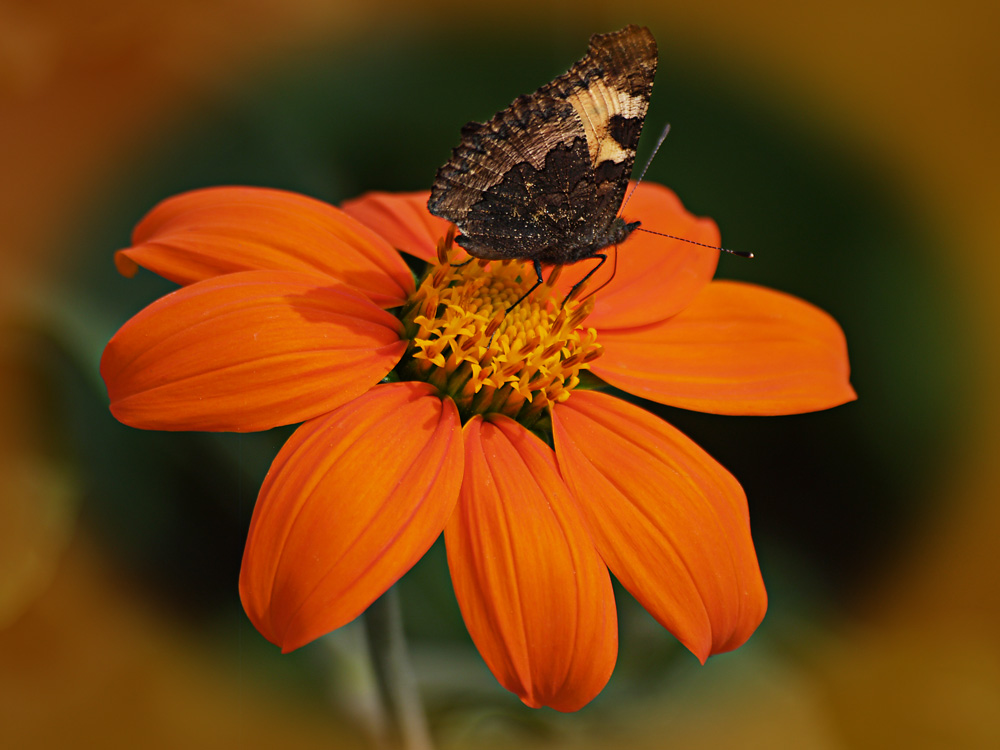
x=595 y=106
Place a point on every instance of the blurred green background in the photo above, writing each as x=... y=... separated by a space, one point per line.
x=849 y=149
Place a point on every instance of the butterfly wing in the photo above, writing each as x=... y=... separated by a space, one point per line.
x=544 y=178
x=610 y=91
x=490 y=188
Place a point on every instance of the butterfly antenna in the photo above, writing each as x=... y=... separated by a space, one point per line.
x=659 y=142
x=741 y=253
x=642 y=174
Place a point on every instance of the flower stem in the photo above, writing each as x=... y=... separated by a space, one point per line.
x=394 y=672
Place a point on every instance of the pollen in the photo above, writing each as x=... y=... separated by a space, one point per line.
x=489 y=357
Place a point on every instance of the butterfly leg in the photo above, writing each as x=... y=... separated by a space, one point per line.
x=538 y=283
x=590 y=273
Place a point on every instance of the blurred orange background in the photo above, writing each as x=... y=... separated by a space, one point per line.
x=911 y=87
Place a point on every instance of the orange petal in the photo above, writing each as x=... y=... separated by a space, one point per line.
x=205 y=233
x=738 y=349
x=655 y=277
x=351 y=502
x=534 y=594
x=248 y=351
x=403 y=219
x=670 y=522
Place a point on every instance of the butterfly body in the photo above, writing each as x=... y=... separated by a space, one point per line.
x=544 y=179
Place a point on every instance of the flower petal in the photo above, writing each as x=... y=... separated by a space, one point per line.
x=534 y=594
x=351 y=502
x=248 y=351
x=403 y=219
x=670 y=522
x=738 y=349
x=205 y=233
x=655 y=277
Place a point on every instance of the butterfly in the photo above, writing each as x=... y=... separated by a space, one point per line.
x=544 y=180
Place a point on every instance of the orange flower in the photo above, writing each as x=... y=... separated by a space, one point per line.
x=425 y=409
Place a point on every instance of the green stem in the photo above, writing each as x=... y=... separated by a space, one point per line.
x=394 y=673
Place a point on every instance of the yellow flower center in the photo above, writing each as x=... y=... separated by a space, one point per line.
x=487 y=359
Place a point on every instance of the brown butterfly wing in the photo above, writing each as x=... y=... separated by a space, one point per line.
x=545 y=178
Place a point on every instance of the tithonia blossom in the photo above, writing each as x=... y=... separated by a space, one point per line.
x=425 y=408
